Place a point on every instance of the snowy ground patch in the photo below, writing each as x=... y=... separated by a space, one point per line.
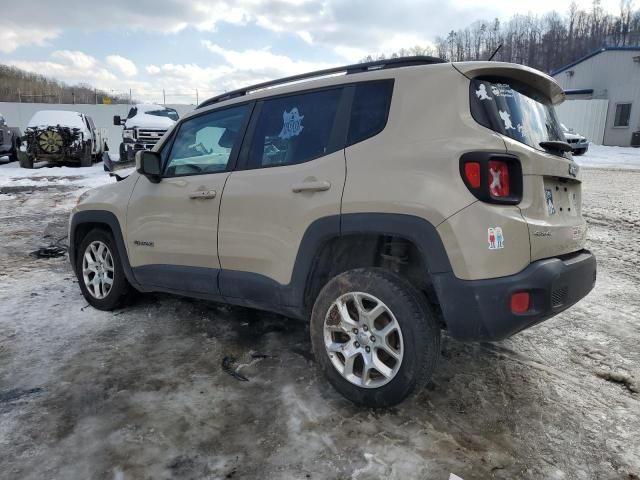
x=600 y=156
x=12 y=175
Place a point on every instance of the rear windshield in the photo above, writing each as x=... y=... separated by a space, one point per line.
x=515 y=110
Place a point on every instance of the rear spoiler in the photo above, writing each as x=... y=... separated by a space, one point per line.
x=530 y=76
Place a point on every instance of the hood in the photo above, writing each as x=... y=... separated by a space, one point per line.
x=52 y=118
x=143 y=120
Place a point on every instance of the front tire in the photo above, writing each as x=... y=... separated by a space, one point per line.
x=374 y=337
x=86 y=160
x=100 y=273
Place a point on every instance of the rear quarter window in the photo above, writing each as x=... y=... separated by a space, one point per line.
x=370 y=110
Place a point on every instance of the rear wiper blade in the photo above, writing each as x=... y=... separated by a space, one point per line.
x=556 y=146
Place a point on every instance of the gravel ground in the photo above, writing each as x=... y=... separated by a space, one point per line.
x=142 y=392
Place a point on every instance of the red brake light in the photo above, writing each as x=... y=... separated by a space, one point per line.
x=472 y=174
x=498 y=179
x=520 y=302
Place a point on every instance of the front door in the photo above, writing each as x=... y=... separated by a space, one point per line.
x=173 y=225
x=292 y=174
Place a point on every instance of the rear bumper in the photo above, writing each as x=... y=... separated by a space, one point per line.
x=480 y=310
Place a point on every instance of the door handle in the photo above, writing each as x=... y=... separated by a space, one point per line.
x=203 y=194
x=319 y=186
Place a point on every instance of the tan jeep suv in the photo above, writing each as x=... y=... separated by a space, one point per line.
x=383 y=201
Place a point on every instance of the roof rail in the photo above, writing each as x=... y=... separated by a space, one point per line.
x=347 y=69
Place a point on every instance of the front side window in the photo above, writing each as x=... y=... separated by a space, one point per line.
x=515 y=110
x=133 y=111
x=623 y=113
x=204 y=144
x=294 y=129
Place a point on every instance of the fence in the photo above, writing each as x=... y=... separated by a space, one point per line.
x=19 y=114
x=586 y=117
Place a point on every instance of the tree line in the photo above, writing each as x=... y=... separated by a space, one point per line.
x=18 y=85
x=545 y=42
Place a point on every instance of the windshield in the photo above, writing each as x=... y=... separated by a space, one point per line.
x=168 y=112
x=515 y=110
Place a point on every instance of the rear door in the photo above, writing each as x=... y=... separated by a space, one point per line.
x=292 y=174
x=172 y=225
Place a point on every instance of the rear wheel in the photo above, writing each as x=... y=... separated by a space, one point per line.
x=13 y=155
x=26 y=160
x=86 y=160
x=374 y=337
x=100 y=273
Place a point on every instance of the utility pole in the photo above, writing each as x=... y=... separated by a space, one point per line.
x=197 y=102
x=164 y=98
x=19 y=96
x=73 y=97
x=95 y=92
x=130 y=100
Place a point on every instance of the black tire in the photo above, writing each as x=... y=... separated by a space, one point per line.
x=26 y=160
x=420 y=334
x=120 y=289
x=13 y=154
x=86 y=160
x=579 y=152
x=123 y=153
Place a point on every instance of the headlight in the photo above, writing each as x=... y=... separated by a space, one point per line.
x=128 y=133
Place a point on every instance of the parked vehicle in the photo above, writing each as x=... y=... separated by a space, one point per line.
x=9 y=140
x=63 y=136
x=405 y=197
x=579 y=143
x=143 y=128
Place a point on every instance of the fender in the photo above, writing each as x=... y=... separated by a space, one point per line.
x=420 y=232
x=107 y=218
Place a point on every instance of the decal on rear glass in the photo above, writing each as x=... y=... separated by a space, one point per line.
x=495 y=238
x=292 y=126
x=548 y=195
x=506 y=118
x=501 y=90
x=481 y=93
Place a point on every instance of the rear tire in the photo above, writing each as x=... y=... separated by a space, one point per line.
x=13 y=154
x=86 y=160
x=100 y=273
x=348 y=324
x=26 y=160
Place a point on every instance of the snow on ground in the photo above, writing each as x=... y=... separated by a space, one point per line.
x=600 y=156
x=141 y=392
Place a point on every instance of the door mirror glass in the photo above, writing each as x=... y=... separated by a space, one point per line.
x=149 y=164
x=117 y=120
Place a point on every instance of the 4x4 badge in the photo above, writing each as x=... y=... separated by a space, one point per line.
x=573 y=170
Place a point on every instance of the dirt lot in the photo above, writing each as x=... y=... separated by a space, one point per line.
x=141 y=393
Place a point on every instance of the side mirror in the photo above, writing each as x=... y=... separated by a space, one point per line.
x=117 y=120
x=149 y=164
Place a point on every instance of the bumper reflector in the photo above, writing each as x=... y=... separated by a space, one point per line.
x=520 y=302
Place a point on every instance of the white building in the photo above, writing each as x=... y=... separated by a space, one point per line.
x=606 y=88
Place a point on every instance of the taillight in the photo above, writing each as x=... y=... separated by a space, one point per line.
x=492 y=177
x=472 y=173
x=498 y=179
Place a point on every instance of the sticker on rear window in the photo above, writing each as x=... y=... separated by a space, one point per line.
x=495 y=238
x=506 y=118
x=292 y=126
x=501 y=90
x=481 y=93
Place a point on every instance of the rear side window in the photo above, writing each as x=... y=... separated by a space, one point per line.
x=370 y=110
x=294 y=129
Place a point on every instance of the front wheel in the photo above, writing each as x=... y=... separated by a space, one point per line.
x=100 y=273
x=374 y=337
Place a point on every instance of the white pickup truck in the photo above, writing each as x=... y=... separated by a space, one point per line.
x=62 y=136
x=144 y=126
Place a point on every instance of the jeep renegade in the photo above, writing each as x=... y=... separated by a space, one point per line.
x=386 y=204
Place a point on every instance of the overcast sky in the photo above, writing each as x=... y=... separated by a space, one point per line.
x=213 y=46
